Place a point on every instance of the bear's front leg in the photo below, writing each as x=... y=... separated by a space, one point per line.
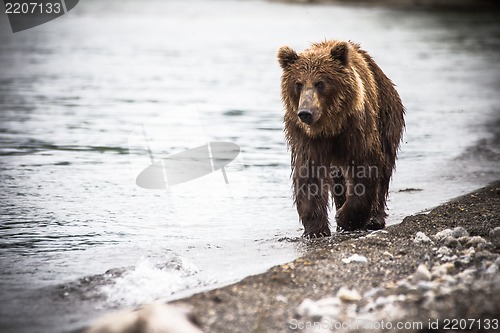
x=311 y=197
x=355 y=212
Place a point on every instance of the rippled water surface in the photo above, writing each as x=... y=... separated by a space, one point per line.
x=76 y=93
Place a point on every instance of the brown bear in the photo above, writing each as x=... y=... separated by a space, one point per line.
x=343 y=122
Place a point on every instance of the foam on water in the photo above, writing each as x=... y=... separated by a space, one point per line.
x=148 y=282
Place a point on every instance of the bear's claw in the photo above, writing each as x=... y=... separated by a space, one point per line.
x=317 y=234
x=375 y=224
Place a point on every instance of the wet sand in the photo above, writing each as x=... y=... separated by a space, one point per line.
x=408 y=277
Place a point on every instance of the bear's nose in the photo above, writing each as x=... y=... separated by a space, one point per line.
x=306 y=116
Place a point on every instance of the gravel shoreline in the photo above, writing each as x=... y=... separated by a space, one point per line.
x=441 y=266
x=438 y=271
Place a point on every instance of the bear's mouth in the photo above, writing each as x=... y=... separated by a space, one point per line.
x=312 y=130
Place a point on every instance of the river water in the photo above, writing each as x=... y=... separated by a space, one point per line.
x=82 y=98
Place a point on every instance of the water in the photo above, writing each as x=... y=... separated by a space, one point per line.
x=75 y=92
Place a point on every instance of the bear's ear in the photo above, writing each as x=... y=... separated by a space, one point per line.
x=287 y=56
x=340 y=52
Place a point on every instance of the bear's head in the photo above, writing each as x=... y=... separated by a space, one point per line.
x=318 y=86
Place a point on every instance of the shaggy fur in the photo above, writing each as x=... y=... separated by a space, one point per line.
x=343 y=122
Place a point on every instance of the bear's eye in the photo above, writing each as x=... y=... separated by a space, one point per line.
x=298 y=87
x=320 y=85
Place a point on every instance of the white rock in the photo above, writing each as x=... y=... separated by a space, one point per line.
x=465 y=259
x=328 y=302
x=449 y=258
x=422 y=238
x=355 y=258
x=425 y=285
x=442 y=235
x=485 y=246
x=450 y=242
x=470 y=251
x=376 y=233
x=475 y=241
x=497 y=262
x=281 y=298
x=495 y=235
x=493 y=269
x=467 y=276
x=421 y=274
x=404 y=284
x=372 y=292
x=448 y=280
x=443 y=269
x=387 y=254
x=463 y=240
x=348 y=295
x=495 y=232
x=153 y=318
x=444 y=251
x=384 y=301
x=459 y=232
x=429 y=298
x=308 y=307
x=328 y=306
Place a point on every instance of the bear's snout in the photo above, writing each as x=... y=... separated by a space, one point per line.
x=308 y=106
x=306 y=116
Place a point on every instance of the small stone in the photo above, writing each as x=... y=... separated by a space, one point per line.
x=495 y=235
x=403 y=284
x=449 y=258
x=443 y=269
x=450 y=242
x=470 y=251
x=463 y=240
x=355 y=258
x=329 y=306
x=448 y=280
x=459 y=232
x=429 y=298
x=467 y=276
x=465 y=259
x=421 y=238
x=425 y=285
x=493 y=269
x=308 y=308
x=444 y=251
x=387 y=254
x=348 y=295
x=485 y=246
x=281 y=298
x=323 y=307
x=372 y=292
x=376 y=233
x=444 y=291
x=155 y=317
x=442 y=235
x=497 y=262
x=475 y=241
x=421 y=274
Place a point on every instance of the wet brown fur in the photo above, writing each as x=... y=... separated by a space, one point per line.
x=357 y=122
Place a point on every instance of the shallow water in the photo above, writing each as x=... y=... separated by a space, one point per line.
x=75 y=93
